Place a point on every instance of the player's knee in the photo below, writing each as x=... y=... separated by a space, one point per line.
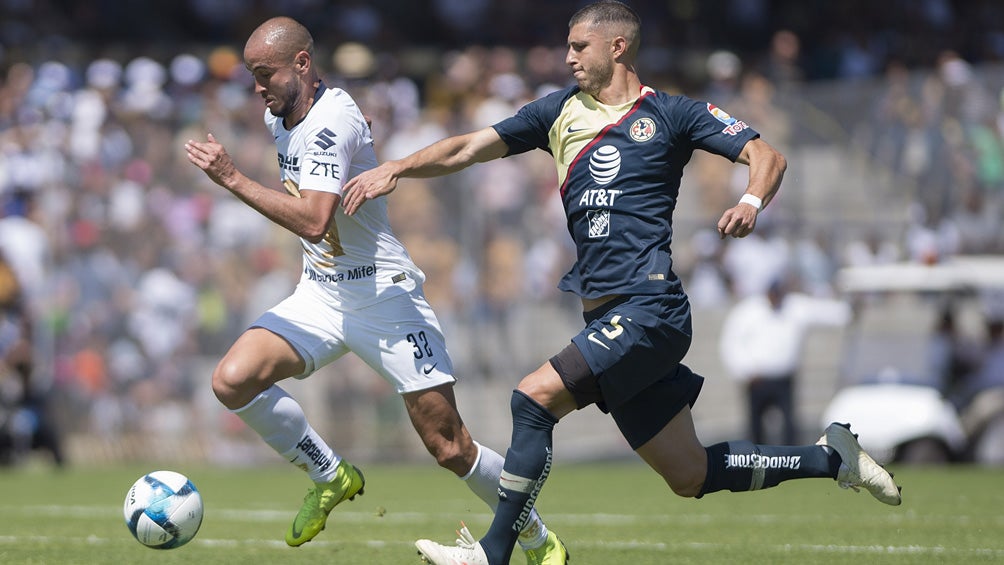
x=549 y=393
x=229 y=385
x=686 y=482
x=687 y=489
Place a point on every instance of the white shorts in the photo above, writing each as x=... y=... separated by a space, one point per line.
x=399 y=337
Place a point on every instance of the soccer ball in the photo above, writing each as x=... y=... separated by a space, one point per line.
x=163 y=510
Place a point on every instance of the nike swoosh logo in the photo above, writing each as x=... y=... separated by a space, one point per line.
x=428 y=369
x=592 y=337
x=573 y=130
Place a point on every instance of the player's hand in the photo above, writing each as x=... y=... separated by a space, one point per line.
x=367 y=186
x=737 y=221
x=212 y=158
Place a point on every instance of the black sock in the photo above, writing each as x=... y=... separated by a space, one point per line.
x=527 y=464
x=741 y=466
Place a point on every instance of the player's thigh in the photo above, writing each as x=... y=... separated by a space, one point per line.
x=677 y=454
x=293 y=339
x=256 y=361
x=401 y=340
x=633 y=342
x=260 y=353
x=312 y=329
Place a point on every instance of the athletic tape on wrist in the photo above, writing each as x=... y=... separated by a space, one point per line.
x=752 y=200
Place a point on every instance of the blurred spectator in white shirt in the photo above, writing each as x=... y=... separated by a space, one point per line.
x=761 y=347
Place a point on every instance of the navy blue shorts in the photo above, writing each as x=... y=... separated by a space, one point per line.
x=627 y=361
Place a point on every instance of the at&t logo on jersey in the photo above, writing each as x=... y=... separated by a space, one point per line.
x=604 y=164
x=732 y=125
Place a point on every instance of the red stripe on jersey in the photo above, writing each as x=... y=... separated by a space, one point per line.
x=599 y=137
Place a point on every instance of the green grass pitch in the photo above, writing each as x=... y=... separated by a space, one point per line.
x=606 y=513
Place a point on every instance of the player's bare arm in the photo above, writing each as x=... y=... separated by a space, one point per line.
x=308 y=216
x=441 y=158
x=766 y=169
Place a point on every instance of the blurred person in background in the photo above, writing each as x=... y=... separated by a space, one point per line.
x=761 y=345
x=359 y=292
x=26 y=423
x=952 y=353
x=620 y=148
x=979 y=392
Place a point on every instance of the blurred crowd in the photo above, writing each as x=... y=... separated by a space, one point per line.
x=134 y=269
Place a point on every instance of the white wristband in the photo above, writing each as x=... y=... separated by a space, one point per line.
x=752 y=200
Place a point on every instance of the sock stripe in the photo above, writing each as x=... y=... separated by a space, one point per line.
x=758 y=475
x=516 y=483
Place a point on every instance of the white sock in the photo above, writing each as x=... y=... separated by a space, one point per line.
x=483 y=480
x=280 y=421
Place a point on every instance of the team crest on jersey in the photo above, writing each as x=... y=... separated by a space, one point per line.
x=642 y=130
x=599 y=223
x=732 y=125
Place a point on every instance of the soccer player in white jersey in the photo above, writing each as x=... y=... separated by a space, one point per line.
x=359 y=291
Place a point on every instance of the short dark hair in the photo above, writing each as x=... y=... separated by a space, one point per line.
x=611 y=12
x=606 y=11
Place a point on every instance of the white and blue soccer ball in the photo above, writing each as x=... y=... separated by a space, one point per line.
x=163 y=510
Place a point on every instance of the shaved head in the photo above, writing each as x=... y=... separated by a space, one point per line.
x=279 y=53
x=284 y=37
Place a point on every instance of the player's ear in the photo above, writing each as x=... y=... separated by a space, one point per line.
x=619 y=46
x=302 y=61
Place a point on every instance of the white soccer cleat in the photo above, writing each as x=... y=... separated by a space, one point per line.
x=857 y=468
x=467 y=551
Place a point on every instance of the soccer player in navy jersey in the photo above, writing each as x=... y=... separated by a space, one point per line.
x=620 y=148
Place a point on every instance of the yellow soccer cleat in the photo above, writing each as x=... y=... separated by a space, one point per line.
x=321 y=499
x=553 y=552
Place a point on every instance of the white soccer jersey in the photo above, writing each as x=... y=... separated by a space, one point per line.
x=359 y=261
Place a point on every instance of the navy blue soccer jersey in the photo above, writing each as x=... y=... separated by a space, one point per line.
x=619 y=170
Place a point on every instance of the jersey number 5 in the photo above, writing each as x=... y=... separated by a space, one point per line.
x=610 y=333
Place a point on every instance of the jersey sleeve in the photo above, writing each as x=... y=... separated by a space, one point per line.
x=330 y=144
x=531 y=126
x=712 y=129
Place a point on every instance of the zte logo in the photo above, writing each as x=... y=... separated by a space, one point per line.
x=325 y=138
x=324 y=170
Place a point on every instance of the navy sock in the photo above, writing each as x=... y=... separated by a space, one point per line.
x=527 y=464
x=741 y=466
